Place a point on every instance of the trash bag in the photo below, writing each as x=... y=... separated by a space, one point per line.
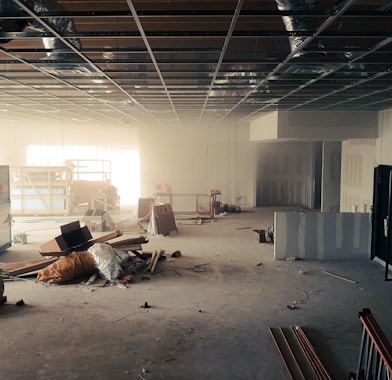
x=68 y=268
x=105 y=261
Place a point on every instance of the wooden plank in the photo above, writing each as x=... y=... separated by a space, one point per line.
x=20 y=267
x=298 y=363
x=311 y=354
x=156 y=259
x=287 y=355
x=152 y=260
x=107 y=237
x=128 y=242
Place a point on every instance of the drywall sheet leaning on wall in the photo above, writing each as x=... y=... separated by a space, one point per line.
x=321 y=236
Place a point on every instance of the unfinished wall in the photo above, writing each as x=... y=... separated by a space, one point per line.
x=190 y=160
x=59 y=142
x=321 y=235
x=358 y=162
x=16 y=138
x=196 y=160
x=384 y=142
x=331 y=168
x=359 y=157
x=285 y=173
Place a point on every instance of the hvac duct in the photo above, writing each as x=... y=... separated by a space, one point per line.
x=61 y=25
x=296 y=23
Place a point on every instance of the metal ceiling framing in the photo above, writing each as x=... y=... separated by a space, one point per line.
x=191 y=63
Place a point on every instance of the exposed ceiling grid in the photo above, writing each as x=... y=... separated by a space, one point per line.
x=178 y=62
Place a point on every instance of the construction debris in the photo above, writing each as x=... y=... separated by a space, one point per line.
x=73 y=238
x=260 y=236
x=17 y=268
x=176 y=254
x=98 y=220
x=68 y=268
x=299 y=356
x=106 y=262
x=20 y=303
x=340 y=277
x=74 y=255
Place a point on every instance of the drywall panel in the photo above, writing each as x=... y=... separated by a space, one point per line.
x=315 y=125
x=285 y=173
x=321 y=236
x=331 y=168
x=357 y=167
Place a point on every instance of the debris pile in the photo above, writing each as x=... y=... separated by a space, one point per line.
x=74 y=255
x=264 y=235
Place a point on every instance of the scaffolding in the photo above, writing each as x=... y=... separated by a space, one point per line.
x=58 y=190
x=39 y=190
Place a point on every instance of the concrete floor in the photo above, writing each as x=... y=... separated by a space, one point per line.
x=210 y=309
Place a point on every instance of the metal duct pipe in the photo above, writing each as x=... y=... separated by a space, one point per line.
x=38 y=6
x=296 y=23
x=9 y=26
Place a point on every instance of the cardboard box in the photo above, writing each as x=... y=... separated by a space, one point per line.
x=260 y=236
x=98 y=220
x=164 y=219
x=72 y=236
x=94 y=223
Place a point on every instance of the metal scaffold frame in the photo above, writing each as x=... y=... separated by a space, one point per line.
x=58 y=190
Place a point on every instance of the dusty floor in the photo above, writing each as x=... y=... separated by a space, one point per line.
x=209 y=315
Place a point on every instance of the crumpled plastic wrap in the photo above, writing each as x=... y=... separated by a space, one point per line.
x=105 y=261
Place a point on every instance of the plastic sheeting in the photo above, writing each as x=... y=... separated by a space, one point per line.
x=105 y=261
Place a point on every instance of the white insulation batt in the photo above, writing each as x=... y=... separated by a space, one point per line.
x=321 y=236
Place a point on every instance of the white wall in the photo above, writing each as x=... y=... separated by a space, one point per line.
x=190 y=160
x=384 y=142
x=71 y=141
x=314 y=125
x=359 y=157
x=196 y=160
